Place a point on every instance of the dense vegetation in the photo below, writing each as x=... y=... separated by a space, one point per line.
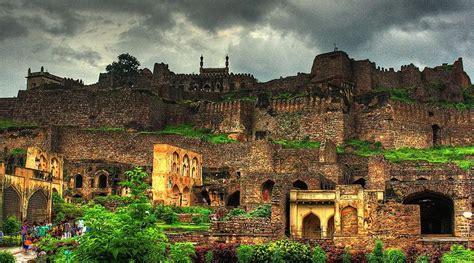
x=441 y=154
x=187 y=130
x=305 y=143
x=11 y=125
x=261 y=211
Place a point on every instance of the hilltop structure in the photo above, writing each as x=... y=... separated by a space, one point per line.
x=324 y=192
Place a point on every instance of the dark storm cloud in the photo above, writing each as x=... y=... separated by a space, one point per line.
x=11 y=28
x=66 y=53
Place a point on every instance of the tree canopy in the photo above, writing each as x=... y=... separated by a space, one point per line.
x=127 y=65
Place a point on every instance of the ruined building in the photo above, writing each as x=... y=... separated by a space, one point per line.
x=327 y=192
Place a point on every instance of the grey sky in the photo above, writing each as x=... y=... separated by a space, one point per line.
x=266 y=38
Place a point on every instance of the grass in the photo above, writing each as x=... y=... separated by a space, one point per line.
x=181 y=227
x=303 y=144
x=441 y=155
x=104 y=129
x=11 y=125
x=187 y=130
x=398 y=94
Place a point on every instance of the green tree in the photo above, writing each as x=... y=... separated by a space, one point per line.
x=376 y=256
x=11 y=226
x=126 y=66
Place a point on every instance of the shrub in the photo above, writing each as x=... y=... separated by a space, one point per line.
x=234 y=212
x=458 y=254
x=209 y=257
x=182 y=252
x=289 y=251
x=319 y=255
x=6 y=257
x=245 y=253
x=423 y=259
x=376 y=256
x=394 y=256
x=11 y=241
x=261 y=211
x=346 y=256
x=11 y=226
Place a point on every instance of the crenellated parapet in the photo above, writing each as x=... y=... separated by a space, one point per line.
x=308 y=103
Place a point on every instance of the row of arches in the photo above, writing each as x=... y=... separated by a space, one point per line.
x=101 y=182
x=185 y=167
x=313 y=227
x=37 y=207
x=181 y=198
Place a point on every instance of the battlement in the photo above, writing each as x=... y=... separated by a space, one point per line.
x=311 y=102
x=228 y=106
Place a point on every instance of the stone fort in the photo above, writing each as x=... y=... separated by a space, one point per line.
x=96 y=132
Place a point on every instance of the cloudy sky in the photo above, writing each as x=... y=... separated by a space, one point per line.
x=266 y=38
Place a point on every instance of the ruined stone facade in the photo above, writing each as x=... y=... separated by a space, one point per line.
x=353 y=198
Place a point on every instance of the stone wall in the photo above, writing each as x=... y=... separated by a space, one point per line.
x=7 y=105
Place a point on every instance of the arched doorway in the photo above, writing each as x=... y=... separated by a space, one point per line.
x=330 y=228
x=78 y=181
x=267 y=189
x=185 y=171
x=234 y=199
x=11 y=203
x=177 y=195
x=311 y=227
x=205 y=197
x=298 y=184
x=102 y=181
x=436 y=135
x=436 y=212
x=186 y=197
x=349 y=225
x=37 y=208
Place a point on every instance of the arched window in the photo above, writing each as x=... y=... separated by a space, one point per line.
x=78 y=181
x=360 y=181
x=330 y=228
x=102 y=181
x=177 y=196
x=298 y=184
x=436 y=135
x=194 y=170
x=37 y=208
x=11 y=203
x=43 y=163
x=421 y=179
x=349 y=225
x=436 y=212
x=55 y=168
x=175 y=163
x=234 y=199
x=185 y=171
x=267 y=189
x=311 y=227
x=186 y=200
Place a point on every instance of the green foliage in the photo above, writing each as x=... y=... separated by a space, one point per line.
x=394 y=256
x=398 y=94
x=286 y=250
x=188 y=130
x=423 y=259
x=245 y=253
x=209 y=256
x=377 y=254
x=181 y=252
x=261 y=211
x=11 y=125
x=18 y=151
x=440 y=154
x=346 y=256
x=11 y=241
x=319 y=255
x=238 y=95
x=126 y=66
x=6 y=257
x=11 y=226
x=183 y=227
x=104 y=129
x=65 y=211
x=111 y=201
x=57 y=250
x=458 y=254
x=136 y=183
x=302 y=144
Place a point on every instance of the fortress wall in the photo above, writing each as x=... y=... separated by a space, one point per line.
x=374 y=125
x=7 y=106
x=413 y=125
x=226 y=117
x=363 y=71
x=24 y=139
x=86 y=108
x=413 y=171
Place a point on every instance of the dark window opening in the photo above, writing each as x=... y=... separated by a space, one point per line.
x=234 y=199
x=360 y=181
x=267 y=189
x=102 y=181
x=260 y=135
x=78 y=181
x=436 y=135
x=298 y=184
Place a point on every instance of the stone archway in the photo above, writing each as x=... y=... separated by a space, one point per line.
x=234 y=199
x=349 y=222
x=177 y=195
x=266 y=191
x=11 y=203
x=436 y=212
x=102 y=181
x=186 y=197
x=311 y=227
x=298 y=184
x=37 y=208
